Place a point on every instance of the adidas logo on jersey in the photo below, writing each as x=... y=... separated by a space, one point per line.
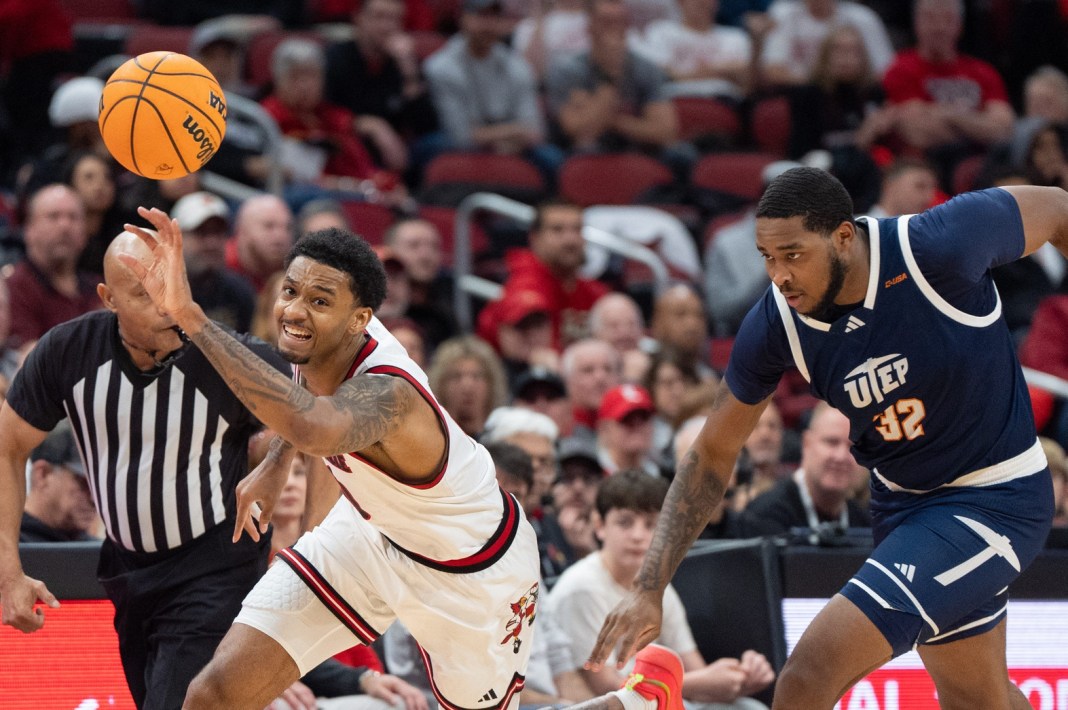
x=853 y=323
x=491 y=695
x=907 y=571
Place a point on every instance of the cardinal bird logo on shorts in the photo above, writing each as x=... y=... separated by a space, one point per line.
x=522 y=609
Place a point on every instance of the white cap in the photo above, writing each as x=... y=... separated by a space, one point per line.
x=775 y=169
x=75 y=101
x=197 y=208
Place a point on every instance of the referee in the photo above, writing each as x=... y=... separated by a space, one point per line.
x=164 y=443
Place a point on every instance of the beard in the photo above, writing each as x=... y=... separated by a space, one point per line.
x=824 y=310
x=293 y=358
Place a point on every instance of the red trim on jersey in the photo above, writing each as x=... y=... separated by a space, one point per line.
x=492 y=551
x=328 y=595
x=398 y=372
x=365 y=351
x=514 y=686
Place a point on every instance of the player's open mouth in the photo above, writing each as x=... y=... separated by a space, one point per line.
x=296 y=333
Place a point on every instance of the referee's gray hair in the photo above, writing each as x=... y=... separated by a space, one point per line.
x=296 y=53
x=505 y=422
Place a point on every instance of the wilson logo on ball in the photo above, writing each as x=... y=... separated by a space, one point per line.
x=207 y=148
x=217 y=103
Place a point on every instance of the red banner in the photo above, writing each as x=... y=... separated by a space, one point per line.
x=913 y=689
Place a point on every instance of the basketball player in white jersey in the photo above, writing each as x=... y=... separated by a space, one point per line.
x=423 y=533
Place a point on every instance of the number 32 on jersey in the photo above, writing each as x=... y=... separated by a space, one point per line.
x=901 y=420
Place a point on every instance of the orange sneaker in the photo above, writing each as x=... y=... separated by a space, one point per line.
x=657 y=676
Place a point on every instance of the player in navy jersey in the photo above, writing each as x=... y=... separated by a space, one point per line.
x=422 y=532
x=896 y=322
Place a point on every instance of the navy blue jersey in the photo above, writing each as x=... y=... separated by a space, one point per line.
x=925 y=367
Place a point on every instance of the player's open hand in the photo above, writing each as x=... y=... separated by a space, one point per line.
x=162 y=270
x=395 y=691
x=633 y=624
x=19 y=599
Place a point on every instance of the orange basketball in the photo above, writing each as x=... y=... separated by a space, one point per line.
x=162 y=115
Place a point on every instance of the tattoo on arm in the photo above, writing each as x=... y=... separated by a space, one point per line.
x=372 y=406
x=260 y=387
x=694 y=493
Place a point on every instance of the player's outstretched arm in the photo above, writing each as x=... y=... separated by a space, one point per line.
x=19 y=594
x=359 y=414
x=701 y=479
x=1044 y=211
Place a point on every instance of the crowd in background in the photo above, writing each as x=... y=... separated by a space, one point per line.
x=573 y=375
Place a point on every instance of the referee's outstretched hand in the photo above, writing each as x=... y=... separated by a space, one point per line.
x=161 y=268
x=19 y=599
x=257 y=495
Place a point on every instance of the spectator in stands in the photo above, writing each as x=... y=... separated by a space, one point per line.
x=1046 y=349
x=325 y=145
x=469 y=381
x=616 y=319
x=1046 y=95
x=485 y=92
x=839 y=109
x=761 y=466
x=92 y=176
x=817 y=496
x=610 y=98
x=518 y=326
x=219 y=44
x=700 y=57
x=376 y=75
x=226 y=297
x=417 y=244
x=35 y=49
x=590 y=368
x=628 y=506
x=535 y=434
x=725 y=522
x=735 y=276
x=909 y=187
x=792 y=48
x=1058 y=467
x=680 y=324
x=947 y=105
x=667 y=381
x=551 y=267
x=542 y=390
x=319 y=214
x=398 y=288
x=625 y=430
x=263 y=235
x=411 y=338
x=9 y=358
x=47 y=288
x=574 y=493
x=553 y=30
x=59 y=505
x=73 y=111
x=289 y=509
x=1037 y=151
x=264 y=324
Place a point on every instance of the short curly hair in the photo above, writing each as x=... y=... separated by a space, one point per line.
x=346 y=252
x=810 y=193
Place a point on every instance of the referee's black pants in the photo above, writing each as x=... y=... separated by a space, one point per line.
x=173 y=607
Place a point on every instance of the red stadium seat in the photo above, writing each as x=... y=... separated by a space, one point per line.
x=717 y=223
x=739 y=174
x=483 y=169
x=770 y=124
x=699 y=117
x=427 y=42
x=720 y=353
x=444 y=218
x=611 y=179
x=368 y=219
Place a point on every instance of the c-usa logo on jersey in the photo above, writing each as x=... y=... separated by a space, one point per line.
x=877 y=377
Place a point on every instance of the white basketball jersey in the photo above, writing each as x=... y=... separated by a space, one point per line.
x=459 y=521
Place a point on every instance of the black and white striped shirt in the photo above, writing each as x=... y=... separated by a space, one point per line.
x=163 y=450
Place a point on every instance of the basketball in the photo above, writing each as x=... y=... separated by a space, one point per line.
x=162 y=115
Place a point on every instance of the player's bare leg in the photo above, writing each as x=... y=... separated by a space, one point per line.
x=972 y=673
x=839 y=647
x=249 y=670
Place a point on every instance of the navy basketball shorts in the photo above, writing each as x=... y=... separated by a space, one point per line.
x=943 y=560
